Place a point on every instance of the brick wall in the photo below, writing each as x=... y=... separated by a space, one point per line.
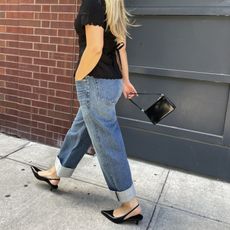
x=38 y=53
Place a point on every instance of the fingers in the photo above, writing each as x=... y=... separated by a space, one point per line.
x=132 y=94
x=129 y=91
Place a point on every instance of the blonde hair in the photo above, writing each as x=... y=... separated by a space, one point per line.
x=117 y=19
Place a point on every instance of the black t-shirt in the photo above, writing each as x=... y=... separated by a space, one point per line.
x=92 y=12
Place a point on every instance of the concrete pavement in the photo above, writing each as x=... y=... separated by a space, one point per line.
x=170 y=199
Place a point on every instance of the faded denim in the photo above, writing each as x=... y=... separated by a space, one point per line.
x=96 y=121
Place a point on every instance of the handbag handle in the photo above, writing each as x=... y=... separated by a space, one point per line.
x=142 y=93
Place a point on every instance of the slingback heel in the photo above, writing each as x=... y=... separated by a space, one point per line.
x=121 y=219
x=35 y=171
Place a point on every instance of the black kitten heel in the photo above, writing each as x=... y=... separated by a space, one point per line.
x=121 y=219
x=35 y=171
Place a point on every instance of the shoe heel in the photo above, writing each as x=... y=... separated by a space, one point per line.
x=52 y=188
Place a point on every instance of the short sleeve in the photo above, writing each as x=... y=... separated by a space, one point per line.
x=93 y=13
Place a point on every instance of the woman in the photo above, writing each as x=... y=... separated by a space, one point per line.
x=100 y=80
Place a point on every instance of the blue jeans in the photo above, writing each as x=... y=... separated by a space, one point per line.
x=96 y=122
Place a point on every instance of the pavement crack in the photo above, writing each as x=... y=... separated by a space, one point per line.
x=16 y=150
x=166 y=178
x=194 y=213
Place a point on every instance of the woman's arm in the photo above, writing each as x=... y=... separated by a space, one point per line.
x=128 y=89
x=92 y=52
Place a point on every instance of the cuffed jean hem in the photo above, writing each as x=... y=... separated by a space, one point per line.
x=62 y=171
x=126 y=195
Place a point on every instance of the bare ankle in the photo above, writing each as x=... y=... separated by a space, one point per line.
x=131 y=203
x=53 y=171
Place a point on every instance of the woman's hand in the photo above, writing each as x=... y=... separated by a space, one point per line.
x=128 y=90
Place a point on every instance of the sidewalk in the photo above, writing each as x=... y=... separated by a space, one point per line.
x=170 y=199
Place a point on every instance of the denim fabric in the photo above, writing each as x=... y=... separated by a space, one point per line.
x=96 y=121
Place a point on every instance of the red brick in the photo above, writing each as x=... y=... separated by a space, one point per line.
x=43 y=76
x=41 y=125
x=66 y=17
x=65 y=65
x=12 y=58
x=19 y=30
x=45 y=91
x=24 y=45
x=45 y=24
x=45 y=31
x=2 y=71
x=46 y=8
x=29 y=8
x=60 y=86
x=43 y=84
x=73 y=2
x=43 y=98
x=41 y=104
x=41 y=132
x=46 y=1
x=62 y=123
x=63 y=40
x=46 y=47
x=9 y=64
x=45 y=39
x=67 y=80
x=26 y=101
x=25 y=88
x=62 y=56
x=63 y=72
x=25 y=115
x=28 y=81
x=44 y=62
x=61 y=115
x=44 y=69
x=42 y=112
x=2 y=14
x=44 y=55
x=52 y=142
x=46 y=16
x=24 y=121
x=16 y=1
x=12 y=85
x=41 y=118
x=66 y=33
x=62 y=8
x=13 y=112
x=28 y=67
x=64 y=94
x=12 y=98
x=30 y=38
x=27 y=95
x=2 y=58
x=19 y=73
x=60 y=24
x=18 y=15
x=56 y=129
x=14 y=105
x=38 y=54
x=26 y=60
x=2 y=43
x=2 y=29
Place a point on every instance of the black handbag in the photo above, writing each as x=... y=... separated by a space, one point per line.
x=159 y=109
